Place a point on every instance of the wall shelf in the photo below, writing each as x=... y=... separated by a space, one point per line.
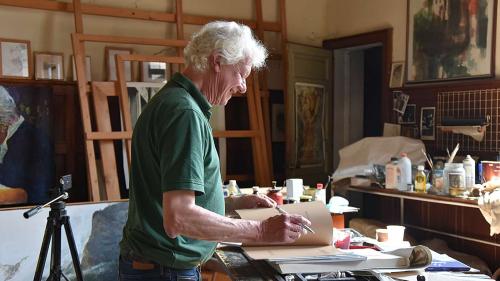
x=474 y=131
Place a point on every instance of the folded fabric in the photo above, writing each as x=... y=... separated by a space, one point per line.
x=489 y=205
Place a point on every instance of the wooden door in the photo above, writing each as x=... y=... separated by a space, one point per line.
x=308 y=113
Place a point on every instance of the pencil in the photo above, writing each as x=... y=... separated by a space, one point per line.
x=306 y=227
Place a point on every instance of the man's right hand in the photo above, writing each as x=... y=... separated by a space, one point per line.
x=284 y=228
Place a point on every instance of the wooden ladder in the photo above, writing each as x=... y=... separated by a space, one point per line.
x=97 y=93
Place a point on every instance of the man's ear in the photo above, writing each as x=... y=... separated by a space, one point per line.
x=214 y=61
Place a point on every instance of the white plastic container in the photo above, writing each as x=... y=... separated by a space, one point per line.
x=232 y=188
x=392 y=175
x=320 y=194
x=404 y=165
x=470 y=172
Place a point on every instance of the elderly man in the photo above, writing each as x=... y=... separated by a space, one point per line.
x=176 y=207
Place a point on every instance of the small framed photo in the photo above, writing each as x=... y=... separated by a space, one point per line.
x=427 y=124
x=15 y=58
x=397 y=75
x=152 y=71
x=88 y=72
x=409 y=117
x=49 y=66
x=400 y=100
x=110 y=56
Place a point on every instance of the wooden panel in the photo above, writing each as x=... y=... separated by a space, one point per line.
x=106 y=148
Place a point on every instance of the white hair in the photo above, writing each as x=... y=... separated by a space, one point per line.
x=7 y=105
x=232 y=41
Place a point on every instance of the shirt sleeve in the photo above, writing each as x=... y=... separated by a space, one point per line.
x=181 y=151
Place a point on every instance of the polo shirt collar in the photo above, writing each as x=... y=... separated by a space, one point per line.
x=200 y=99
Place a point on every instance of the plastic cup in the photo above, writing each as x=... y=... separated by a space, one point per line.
x=341 y=238
x=395 y=233
x=381 y=234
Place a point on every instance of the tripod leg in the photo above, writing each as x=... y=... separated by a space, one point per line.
x=55 y=259
x=49 y=230
x=72 y=249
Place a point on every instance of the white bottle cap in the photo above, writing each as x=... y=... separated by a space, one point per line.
x=420 y=167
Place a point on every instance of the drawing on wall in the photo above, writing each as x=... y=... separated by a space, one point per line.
x=427 y=124
x=97 y=230
x=409 y=117
x=14 y=58
x=27 y=164
x=309 y=124
x=449 y=39
x=140 y=93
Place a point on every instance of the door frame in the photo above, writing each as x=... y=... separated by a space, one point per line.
x=383 y=37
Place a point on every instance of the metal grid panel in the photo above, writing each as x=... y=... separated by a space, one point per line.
x=469 y=105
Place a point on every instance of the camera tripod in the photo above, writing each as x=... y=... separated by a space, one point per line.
x=56 y=219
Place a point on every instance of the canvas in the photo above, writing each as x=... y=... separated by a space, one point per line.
x=26 y=146
x=449 y=39
x=309 y=122
x=97 y=229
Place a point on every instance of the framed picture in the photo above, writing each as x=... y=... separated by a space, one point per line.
x=49 y=66
x=409 y=117
x=399 y=101
x=427 y=124
x=450 y=40
x=278 y=122
x=15 y=58
x=110 y=53
x=154 y=71
x=88 y=67
x=397 y=74
x=309 y=124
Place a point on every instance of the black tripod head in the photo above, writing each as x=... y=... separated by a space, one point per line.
x=58 y=193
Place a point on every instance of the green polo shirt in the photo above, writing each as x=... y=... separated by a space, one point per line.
x=172 y=149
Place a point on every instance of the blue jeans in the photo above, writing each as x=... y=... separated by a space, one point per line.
x=129 y=271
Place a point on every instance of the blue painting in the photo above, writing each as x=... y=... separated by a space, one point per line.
x=27 y=167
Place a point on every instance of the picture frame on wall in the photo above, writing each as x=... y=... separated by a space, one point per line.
x=110 y=57
x=447 y=40
x=15 y=58
x=154 y=71
x=49 y=66
x=397 y=75
x=88 y=68
x=427 y=123
x=409 y=116
x=399 y=101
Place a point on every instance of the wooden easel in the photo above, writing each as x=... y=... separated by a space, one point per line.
x=98 y=93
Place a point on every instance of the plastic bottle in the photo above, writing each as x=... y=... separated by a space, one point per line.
x=232 y=188
x=320 y=194
x=392 y=176
x=470 y=172
x=420 y=180
x=404 y=165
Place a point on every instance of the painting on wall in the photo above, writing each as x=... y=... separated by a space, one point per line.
x=27 y=163
x=427 y=123
x=97 y=230
x=450 y=39
x=309 y=125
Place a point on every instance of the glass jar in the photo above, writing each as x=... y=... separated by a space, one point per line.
x=454 y=179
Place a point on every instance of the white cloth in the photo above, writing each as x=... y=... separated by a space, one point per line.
x=489 y=204
x=10 y=131
x=363 y=154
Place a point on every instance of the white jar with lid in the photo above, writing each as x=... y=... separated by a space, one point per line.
x=470 y=172
x=454 y=178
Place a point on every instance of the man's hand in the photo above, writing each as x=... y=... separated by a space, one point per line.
x=285 y=228
x=252 y=201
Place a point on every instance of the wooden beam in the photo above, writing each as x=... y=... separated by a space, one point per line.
x=131 y=40
x=77 y=7
x=137 y=57
x=108 y=135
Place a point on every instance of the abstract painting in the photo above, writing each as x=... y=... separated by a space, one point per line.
x=449 y=39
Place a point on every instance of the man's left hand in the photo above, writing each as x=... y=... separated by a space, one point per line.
x=253 y=201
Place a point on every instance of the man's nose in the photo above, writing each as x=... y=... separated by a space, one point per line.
x=242 y=88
